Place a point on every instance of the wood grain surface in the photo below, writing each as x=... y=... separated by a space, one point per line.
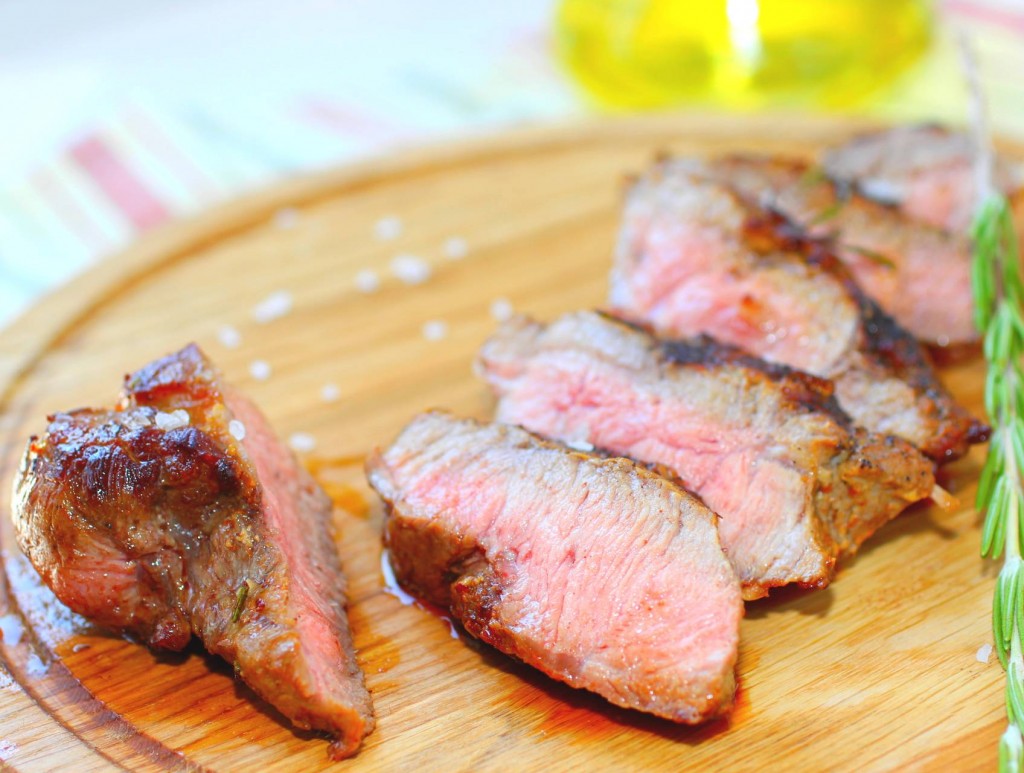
x=877 y=672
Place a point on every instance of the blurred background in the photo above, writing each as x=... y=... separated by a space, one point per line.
x=120 y=115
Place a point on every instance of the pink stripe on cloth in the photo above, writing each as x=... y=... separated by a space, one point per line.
x=348 y=121
x=119 y=184
x=989 y=14
x=61 y=201
x=147 y=130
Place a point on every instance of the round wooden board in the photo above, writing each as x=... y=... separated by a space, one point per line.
x=876 y=672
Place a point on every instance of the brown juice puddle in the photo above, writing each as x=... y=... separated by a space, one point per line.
x=328 y=470
x=392 y=588
x=553 y=708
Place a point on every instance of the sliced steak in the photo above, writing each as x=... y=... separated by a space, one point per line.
x=601 y=574
x=796 y=485
x=918 y=274
x=696 y=257
x=156 y=519
x=925 y=170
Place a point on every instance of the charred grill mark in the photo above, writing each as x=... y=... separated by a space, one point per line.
x=801 y=388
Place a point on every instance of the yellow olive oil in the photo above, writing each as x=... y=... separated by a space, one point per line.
x=738 y=53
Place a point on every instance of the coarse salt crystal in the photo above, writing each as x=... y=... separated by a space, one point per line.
x=259 y=370
x=237 y=429
x=286 y=218
x=984 y=653
x=274 y=306
x=435 y=330
x=136 y=420
x=501 y=309
x=35 y=666
x=367 y=281
x=580 y=445
x=173 y=420
x=387 y=228
x=455 y=248
x=11 y=630
x=411 y=269
x=302 y=441
x=229 y=337
x=329 y=393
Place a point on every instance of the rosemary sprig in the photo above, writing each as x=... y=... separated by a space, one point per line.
x=998 y=293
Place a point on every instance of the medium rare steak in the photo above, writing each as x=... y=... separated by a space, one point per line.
x=796 y=485
x=179 y=514
x=696 y=257
x=598 y=572
x=918 y=274
x=925 y=170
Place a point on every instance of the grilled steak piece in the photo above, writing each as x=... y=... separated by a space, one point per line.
x=925 y=170
x=918 y=274
x=600 y=573
x=156 y=519
x=767 y=448
x=695 y=257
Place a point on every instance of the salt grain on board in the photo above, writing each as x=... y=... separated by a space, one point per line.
x=229 y=337
x=259 y=370
x=411 y=269
x=329 y=393
x=11 y=629
x=173 y=420
x=237 y=429
x=286 y=218
x=274 y=306
x=7 y=750
x=35 y=666
x=367 y=281
x=501 y=309
x=580 y=445
x=302 y=442
x=455 y=248
x=388 y=228
x=984 y=653
x=435 y=330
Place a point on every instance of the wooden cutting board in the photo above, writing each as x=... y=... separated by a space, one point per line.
x=877 y=672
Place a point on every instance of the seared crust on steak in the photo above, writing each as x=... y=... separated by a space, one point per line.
x=696 y=257
x=919 y=274
x=796 y=485
x=926 y=170
x=154 y=519
x=595 y=571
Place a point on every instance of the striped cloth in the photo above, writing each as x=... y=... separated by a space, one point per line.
x=196 y=123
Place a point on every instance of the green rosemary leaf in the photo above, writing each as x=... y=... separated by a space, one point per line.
x=826 y=214
x=240 y=596
x=993 y=469
x=872 y=255
x=1015 y=692
x=1011 y=750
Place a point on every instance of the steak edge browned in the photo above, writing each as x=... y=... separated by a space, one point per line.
x=155 y=519
x=695 y=257
x=918 y=274
x=595 y=571
x=926 y=170
x=797 y=486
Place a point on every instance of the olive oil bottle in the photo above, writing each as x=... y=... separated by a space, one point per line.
x=738 y=53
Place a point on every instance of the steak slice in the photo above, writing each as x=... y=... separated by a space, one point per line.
x=156 y=519
x=918 y=274
x=696 y=257
x=767 y=448
x=926 y=170
x=599 y=573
